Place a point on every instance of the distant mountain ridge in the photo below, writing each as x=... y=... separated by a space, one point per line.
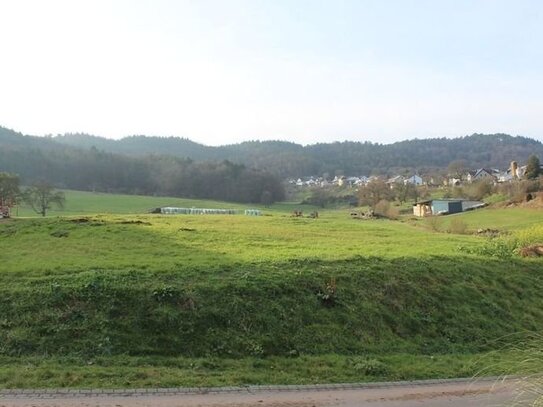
x=287 y=159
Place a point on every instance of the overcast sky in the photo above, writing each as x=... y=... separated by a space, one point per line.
x=307 y=71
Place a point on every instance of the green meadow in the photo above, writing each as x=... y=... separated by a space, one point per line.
x=84 y=203
x=104 y=294
x=503 y=219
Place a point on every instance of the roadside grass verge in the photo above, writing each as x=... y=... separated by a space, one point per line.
x=152 y=372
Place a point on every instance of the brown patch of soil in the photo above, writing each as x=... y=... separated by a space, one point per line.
x=535 y=250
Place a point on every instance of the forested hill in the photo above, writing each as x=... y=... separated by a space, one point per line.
x=292 y=160
x=43 y=158
x=287 y=159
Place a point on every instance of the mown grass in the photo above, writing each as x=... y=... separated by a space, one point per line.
x=154 y=300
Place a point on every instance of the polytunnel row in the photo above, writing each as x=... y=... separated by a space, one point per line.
x=204 y=211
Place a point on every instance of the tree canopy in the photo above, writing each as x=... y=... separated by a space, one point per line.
x=9 y=188
x=533 y=167
x=286 y=159
x=36 y=158
x=374 y=191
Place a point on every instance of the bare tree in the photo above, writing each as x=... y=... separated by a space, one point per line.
x=373 y=192
x=457 y=168
x=42 y=196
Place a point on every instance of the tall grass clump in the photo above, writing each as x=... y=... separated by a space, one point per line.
x=523 y=368
x=530 y=236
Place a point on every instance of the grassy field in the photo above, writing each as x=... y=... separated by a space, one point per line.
x=132 y=299
x=505 y=219
x=85 y=203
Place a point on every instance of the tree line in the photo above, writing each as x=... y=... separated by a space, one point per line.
x=35 y=159
x=177 y=166
x=41 y=196
x=287 y=159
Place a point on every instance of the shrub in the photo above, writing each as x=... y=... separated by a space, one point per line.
x=369 y=367
x=435 y=223
x=328 y=294
x=494 y=247
x=529 y=236
x=383 y=208
x=516 y=191
x=458 y=226
x=165 y=294
x=504 y=247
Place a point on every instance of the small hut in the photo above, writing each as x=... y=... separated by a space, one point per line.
x=422 y=209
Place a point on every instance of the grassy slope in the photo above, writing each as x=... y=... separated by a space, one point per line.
x=207 y=300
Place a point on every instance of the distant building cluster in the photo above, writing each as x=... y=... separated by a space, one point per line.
x=352 y=181
x=469 y=176
x=514 y=172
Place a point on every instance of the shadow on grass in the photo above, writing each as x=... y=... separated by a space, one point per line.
x=436 y=305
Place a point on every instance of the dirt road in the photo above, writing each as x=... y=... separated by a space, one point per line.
x=453 y=394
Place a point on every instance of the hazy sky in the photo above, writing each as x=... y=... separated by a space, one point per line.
x=301 y=70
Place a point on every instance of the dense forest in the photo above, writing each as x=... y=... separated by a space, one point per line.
x=37 y=158
x=352 y=158
x=246 y=172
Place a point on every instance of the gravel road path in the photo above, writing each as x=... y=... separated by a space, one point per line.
x=417 y=394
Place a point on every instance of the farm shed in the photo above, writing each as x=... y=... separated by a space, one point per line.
x=444 y=206
x=469 y=205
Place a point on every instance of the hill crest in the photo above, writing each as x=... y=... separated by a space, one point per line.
x=288 y=159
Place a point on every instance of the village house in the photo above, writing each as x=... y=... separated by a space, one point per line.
x=351 y=181
x=363 y=180
x=414 y=180
x=392 y=182
x=483 y=173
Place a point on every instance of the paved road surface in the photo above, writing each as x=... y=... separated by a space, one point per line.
x=453 y=394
